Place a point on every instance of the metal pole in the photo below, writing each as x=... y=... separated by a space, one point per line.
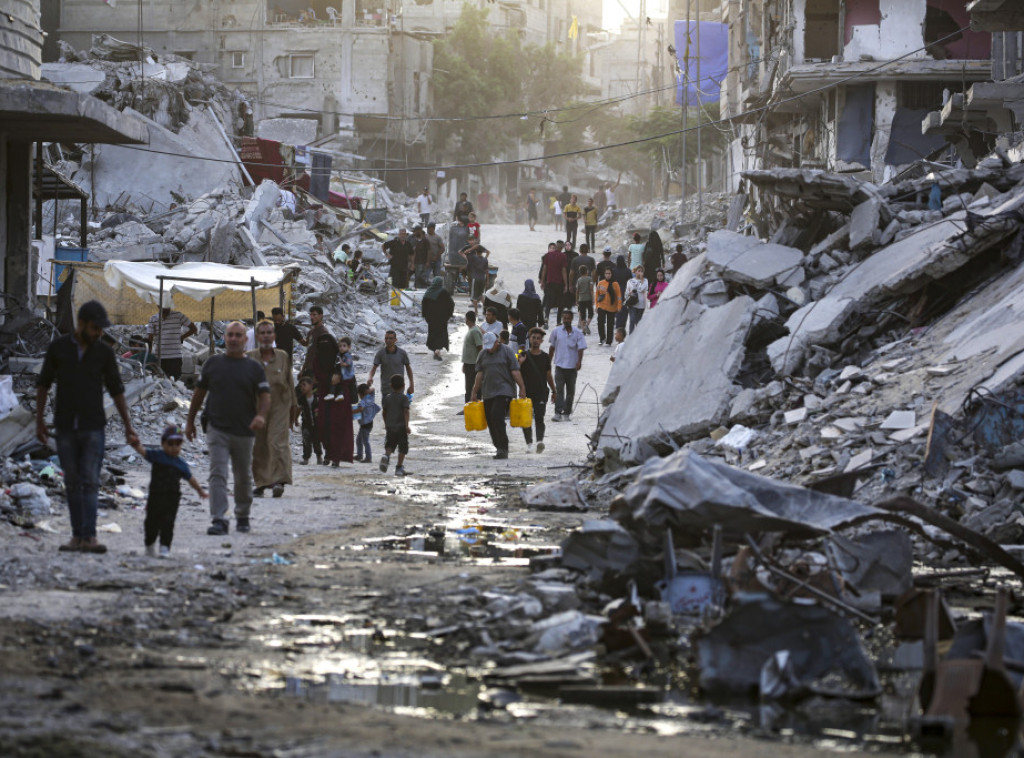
x=83 y=223
x=160 y=323
x=252 y=284
x=213 y=346
x=39 y=191
x=700 y=117
x=685 y=103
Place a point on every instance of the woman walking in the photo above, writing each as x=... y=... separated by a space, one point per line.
x=657 y=287
x=636 y=252
x=334 y=422
x=530 y=306
x=271 y=452
x=635 y=297
x=437 y=308
x=608 y=297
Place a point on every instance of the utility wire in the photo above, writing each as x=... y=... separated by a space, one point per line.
x=598 y=148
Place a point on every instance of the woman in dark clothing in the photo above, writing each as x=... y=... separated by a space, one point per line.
x=530 y=306
x=438 y=308
x=334 y=419
x=621 y=275
x=654 y=254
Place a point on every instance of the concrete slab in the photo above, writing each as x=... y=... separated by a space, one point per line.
x=746 y=260
x=289 y=131
x=864 y=222
x=80 y=77
x=900 y=420
x=698 y=392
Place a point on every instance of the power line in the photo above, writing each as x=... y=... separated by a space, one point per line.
x=598 y=148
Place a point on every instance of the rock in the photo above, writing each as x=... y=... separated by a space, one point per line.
x=714 y=293
x=743 y=405
x=766 y=309
x=796 y=295
x=900 y=420
x=1015 y=479
x=859 y=461
x=796 y=415
x=827 y=263
x=792 y=278
x=746 y=260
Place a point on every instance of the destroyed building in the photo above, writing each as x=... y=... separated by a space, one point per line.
x=843 y=85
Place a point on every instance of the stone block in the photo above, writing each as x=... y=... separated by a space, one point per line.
x=746 y=260
x=864 y=222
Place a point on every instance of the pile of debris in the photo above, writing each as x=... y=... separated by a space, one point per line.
x=663 y=216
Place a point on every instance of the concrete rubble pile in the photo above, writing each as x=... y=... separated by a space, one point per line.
x=663 y=216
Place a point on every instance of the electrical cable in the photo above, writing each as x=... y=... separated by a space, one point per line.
x=598 y=148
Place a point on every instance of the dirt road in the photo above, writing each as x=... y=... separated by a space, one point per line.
x=276 y=642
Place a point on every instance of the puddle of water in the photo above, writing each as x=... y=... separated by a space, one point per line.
x=428 y=693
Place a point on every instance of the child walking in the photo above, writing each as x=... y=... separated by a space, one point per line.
x=364 y=411
x=585 y=299
x=307 y=414
x=165 y=489
x=396 y=424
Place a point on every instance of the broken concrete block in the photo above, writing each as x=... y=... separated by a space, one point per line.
x=900 y=420
x=743 y=405
x=851 y=424
x=746 y=260
x=812 y=403
x=796 y=295
x=850 y=372
x=766 y=309
x=864 y=222
x=859 y=461
x=806 y=453
x=714 y=293
x=263 y=200
x=905 y=435
x=1015 y=479
x=831 y=433
x=889 y=233
x=717 y=335
x=791 y=278
x=832 y=241
x=827 y=263
x=795 y=416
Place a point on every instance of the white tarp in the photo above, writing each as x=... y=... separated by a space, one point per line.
x=143 y=278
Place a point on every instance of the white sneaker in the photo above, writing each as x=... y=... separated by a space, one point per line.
x=328 y=398
x=529 y=447
x=540 y=447
x=165 y=552
x=151 y=550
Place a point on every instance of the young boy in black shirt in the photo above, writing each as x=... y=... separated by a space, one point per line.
x=165 y=489
x=396 y=424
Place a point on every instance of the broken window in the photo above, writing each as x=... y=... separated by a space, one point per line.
x=300 y=66
x=237 y=60
x=856 y=124
x=821 y=30
x=861 y=13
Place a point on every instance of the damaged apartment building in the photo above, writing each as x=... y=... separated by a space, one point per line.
x=844 y=85
x=325 y=72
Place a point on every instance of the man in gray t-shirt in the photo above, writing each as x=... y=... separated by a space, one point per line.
x=391 y=359
x=497 y=377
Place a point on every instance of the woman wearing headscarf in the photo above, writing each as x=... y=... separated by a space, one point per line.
x=334 y=420
x=621 y=275
x=438 y=308
x=654 y=253
x=530 y=306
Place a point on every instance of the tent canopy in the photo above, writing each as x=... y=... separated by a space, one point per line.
x=202 y=291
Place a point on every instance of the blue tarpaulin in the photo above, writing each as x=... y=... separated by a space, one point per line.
x=714 y=60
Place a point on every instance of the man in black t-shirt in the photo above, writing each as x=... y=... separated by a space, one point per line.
x=286 y=334
x=238 y=407
x=535 y=367
x=400 y=253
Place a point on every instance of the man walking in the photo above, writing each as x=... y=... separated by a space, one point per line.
x=566 y=352
x=535 y=366
x=590 y=216
x=392 y=360
x=472 y=343
x=436 y=250
x=286 y=334
x=172 y=328
x=572 y=213
x=531 y=209
x=497 y=377
x=554 y=280
x=82 y=366
x=238 y=407
x=462 y=209
x=316 y=329
x=425 y=203
x=605 y=264
x=400 y=253
x=421 y=257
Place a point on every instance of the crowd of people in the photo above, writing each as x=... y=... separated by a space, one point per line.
x=247 y=399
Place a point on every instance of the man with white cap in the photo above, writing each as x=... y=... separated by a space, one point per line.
x=497 y=377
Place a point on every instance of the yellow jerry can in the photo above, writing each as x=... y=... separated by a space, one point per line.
x=520 y=413
x=476 y=420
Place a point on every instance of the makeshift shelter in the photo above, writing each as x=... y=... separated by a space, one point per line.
x=131 y=291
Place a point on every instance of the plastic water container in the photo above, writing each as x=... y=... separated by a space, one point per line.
x=520 y=413
x=476 y=419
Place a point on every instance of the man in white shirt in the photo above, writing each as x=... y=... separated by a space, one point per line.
x=175 y=330
x=567 y=346
x=426 y=205
x=491 y=323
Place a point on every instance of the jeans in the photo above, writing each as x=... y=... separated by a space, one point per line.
x=235 y=450
x=310 y=443
x=635 y=314
x=171 y=367
x=435 y=268
x=363 y=441
x=424 y=219
x=496 y=409
x=469 y=369
x=571 y=228
x=606 y=326
x=81 y=457
x=553 y=294
x=539 y=406
x=590 y=234
x=418 y=281
x=565 y=390
x=620 y=318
